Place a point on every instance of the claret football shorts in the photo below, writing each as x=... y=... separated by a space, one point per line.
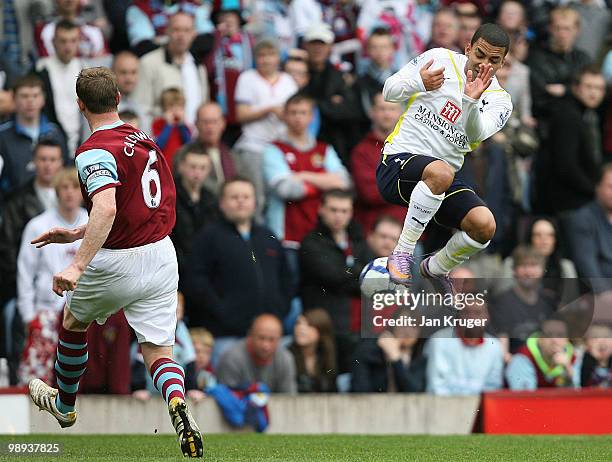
x=141 y=280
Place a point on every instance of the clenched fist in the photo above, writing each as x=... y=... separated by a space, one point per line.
x=66 y=280
x=432 y=79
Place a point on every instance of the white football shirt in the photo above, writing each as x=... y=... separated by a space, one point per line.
x=444 y=123
x=254 y=90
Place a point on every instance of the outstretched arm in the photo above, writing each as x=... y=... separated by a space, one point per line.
x=59 y=236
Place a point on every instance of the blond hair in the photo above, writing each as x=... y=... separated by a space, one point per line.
x=525 y=254
x=171 y=97
x=565 y=12
x=201 y=335
x=66 y=175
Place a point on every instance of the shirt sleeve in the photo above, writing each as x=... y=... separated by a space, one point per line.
x=244 y=90
x=484 y=121
x=439 y=372
x=407 y=81
x=275 y=165
x=278 y=176
x=139 y=26
x=287 y=375
x=606 y=67
x=494 y=378
x=97 y=170
x=521 y=374
x=203 y=23
x=27 y=262
x=333 y=164
x=232 y=370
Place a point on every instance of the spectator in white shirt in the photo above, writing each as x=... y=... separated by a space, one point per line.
x=38 y=306
x=260 y=97
x=59 y=73
x=173 y=66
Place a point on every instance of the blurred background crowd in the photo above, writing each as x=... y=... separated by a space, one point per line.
x=271 y=115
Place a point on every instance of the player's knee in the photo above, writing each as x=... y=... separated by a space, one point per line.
x=438 y=176
x=481 y=224
x=488 y=229
x=72 y=323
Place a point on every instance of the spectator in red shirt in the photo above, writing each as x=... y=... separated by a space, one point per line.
x=364 y=160
x=170 y=131
x=297 y=170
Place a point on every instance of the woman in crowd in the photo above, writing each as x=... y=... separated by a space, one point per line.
x=560 y=277
x=314 y=351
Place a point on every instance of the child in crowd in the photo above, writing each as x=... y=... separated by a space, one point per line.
x=203 y=343
x=596 y=367
x=130 y=117
x=170 y=131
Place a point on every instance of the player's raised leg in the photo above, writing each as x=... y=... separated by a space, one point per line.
x=425 y=200
x=69 y=367
x=169 y=378
x=477 y=230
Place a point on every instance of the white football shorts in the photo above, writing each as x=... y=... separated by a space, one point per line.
x=141 y=280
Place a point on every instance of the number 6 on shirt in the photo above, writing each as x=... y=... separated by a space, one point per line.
x=151 y=175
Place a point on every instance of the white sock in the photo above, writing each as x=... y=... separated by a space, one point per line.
x=422 y=207
x=458 y=249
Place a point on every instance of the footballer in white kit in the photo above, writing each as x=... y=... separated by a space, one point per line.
x=453 y=102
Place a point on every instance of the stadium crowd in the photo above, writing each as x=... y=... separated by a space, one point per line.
x=271 y=113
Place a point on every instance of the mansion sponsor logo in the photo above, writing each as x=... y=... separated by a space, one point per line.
x=450 y=111
x=442 y=126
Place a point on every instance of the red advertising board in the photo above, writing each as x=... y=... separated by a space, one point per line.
x=559 y=411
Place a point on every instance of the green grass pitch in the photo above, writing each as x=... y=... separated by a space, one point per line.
x=327 y=448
